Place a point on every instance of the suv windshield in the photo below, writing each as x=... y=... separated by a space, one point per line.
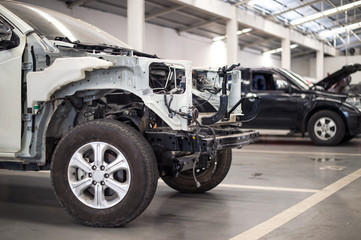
x=57 y=26
x=300 y=81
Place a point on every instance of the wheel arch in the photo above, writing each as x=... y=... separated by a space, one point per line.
x=321 y=108
x=66 y=112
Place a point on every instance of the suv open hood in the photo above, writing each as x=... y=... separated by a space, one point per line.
x=338 y=76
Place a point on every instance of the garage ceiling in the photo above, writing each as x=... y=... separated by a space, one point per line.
x=184 y=18
x=336 y=22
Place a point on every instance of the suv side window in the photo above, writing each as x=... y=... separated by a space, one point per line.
x=262 y=81
x=281 y=84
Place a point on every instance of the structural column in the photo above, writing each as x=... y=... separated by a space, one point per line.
x=286 y=53
x=319 y=64
x=232 y=38
x=135 y=17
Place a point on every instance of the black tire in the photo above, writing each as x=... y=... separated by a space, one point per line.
x=348 y=137
x=326 y=128
x=124 y=189
x=185 y=183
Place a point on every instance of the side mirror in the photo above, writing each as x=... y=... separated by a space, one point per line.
x=7 y=44
x=8 y=40
x=5 y=31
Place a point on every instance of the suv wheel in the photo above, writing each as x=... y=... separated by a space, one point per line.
x=326 y=128
x=184 y=182
x=104 y=173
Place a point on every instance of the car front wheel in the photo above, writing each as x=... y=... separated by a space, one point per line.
x=104 y=173
x=326 y=128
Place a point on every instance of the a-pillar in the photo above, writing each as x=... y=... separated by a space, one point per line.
x=286 y=53
x=135 y=17
x=319 y=64
x=232 y=38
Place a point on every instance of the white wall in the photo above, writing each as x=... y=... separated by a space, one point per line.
x=334 y=64
x=301 y=65
x=167 y=43
x=306 y=66
x=249 y=58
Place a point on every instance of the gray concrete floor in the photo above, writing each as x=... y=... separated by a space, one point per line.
x=268 y=182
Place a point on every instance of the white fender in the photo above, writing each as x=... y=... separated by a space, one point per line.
x=41 y=85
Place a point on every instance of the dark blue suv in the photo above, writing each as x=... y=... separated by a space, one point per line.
x=288 y=101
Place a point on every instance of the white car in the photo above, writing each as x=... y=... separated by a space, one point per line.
x=105 y=119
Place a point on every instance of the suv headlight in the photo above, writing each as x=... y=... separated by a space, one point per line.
x=354 y=101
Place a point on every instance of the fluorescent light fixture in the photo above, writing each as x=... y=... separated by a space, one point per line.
x=277 y=50
x=339 y=30
x=246 y=30
x=240 y=32
x=220 y=38
x=325 y=13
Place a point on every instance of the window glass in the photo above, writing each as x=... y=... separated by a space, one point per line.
x=281 y=83
x=262 y=81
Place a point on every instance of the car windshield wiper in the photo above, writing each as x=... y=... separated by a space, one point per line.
x=97 y=48
x=65 y=39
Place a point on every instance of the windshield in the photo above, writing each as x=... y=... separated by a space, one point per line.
x=299 y=80
x=57 y=26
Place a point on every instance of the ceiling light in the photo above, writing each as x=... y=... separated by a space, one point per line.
x=220 y=38
x=240 y=32
x=325 y=13
x=246 y=30
x=277 y=50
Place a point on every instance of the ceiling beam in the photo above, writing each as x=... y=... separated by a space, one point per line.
x=344 y=46
x=250 y=45
x=215 y=8
x=180 y=12
x=163 y=12
x=302 y=53
x=78 y=2
x=330 y=12
x=241 y=3
x=197 y=25
x=340 y=25
x=293 y=9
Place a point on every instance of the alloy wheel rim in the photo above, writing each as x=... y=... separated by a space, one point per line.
x=99 y=175
x=325 y=128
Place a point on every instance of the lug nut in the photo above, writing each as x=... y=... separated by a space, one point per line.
x=106 y=175
x=102 y=168
x=94 y=167
x=102 y=183
x=90 y=175
x=94 y=183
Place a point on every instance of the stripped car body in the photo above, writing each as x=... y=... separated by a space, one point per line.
x=106 y=119
x=207 y=89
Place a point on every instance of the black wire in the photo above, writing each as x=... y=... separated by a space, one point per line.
x=204 y=101
x=182 y=114
x=214 y=153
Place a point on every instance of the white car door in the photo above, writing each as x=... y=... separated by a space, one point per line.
x=10 y=92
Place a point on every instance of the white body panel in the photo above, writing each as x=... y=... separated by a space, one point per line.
x=10 y=97
x=41 y=85
x=235 y=93
x=132 y=79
